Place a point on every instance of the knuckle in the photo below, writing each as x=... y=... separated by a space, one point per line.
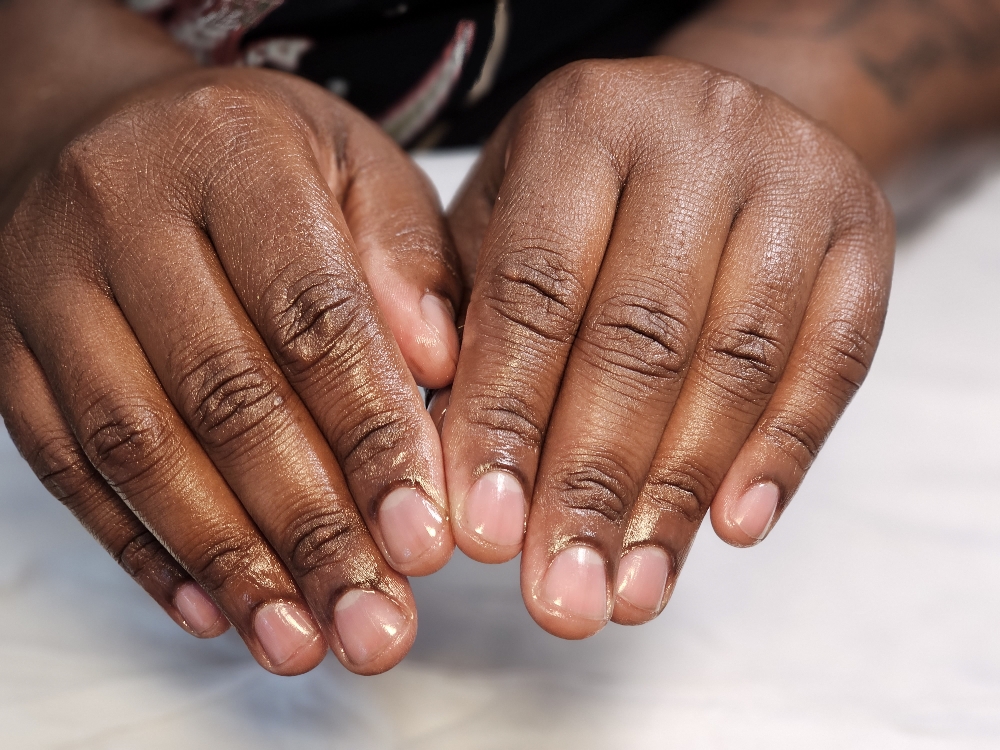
x=685 y=492
x=598 y=484
x=728 y=104
x=60 y=465
x=642 y=336
x=536 y=290
x=321 y=540
x=227 y=395
x=506 y=417
x=139 y=554
x=126 y=439
x=743 y=354
x=795 y=434
x=320 y=318
x=846 y=356
x=215 y=564
x=374 y=435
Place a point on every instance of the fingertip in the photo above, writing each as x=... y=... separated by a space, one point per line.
x=744 y=513
x=569 y=597
x=199 y=615
x=435 y=352
x=489 y=522
x=374 y=632
x=416 y=536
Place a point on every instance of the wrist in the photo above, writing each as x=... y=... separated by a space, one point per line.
x=65 y=62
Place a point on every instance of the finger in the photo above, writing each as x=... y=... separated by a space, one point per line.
x=406 y=252
x=293 y=266
x=540 y=258
x=44 y=439
x=132 y=436
x=470 y=212
x=830 y=361
x=259 y=436
x=623 y=376
x=760 y=295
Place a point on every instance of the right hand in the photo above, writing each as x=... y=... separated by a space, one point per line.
x=198 y=307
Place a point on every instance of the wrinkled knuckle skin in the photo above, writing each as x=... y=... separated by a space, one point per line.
x=319 y=319
x=743 y=356
x=229 y=555
x=62 y=468
x=126 y=440
x=683 y=493
x=227 y=396
x=794 y=434
x=322 y=540
x=506 y=418
x=375 y=438
x=598 y=485
x=535 y=290
x=642 y=337
x=846 y=357
x=141 y=555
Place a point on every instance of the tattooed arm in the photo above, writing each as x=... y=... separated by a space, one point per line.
x=888 y=76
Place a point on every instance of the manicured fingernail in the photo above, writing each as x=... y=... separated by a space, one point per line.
x=197 y=609
x=642 y=577
x=283 y=630
x=576 y=583
x=368 y=622
x=410 y=525
x=754 y=511
x=494 y=509
x=440 y=318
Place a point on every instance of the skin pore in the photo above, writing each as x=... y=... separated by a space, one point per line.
x=220 y=288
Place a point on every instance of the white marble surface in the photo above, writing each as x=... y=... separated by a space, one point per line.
x=869 y=619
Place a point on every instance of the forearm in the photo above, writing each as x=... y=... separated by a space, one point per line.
x=61 y=62
x=888 y=76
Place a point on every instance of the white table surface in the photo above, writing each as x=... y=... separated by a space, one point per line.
x=869 y=619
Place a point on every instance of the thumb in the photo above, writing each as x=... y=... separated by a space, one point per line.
x=406 y=252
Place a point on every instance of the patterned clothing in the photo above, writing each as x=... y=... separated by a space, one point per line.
x=439 y=72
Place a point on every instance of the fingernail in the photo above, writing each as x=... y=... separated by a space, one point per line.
x=440 y=317
x=410 y=525
x=283 y=630
x=438 y=407
x=754 y=511
x=197 y=609
x=368 y=622
x=576 y=583
x=642 y=577
x=494 y=509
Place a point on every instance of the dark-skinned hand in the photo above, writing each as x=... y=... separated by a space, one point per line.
x=678 y=282
x=199 y=308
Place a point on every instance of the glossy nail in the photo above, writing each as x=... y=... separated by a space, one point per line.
x=197 y=609
x=642 y=577
x=368 y=623
x=283 y=631
x=440 y=319
x=494 y=509
x=576 y=584
x=754 y=511
x=411 y=526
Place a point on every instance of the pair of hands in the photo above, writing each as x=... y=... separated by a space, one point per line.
x=217 y=304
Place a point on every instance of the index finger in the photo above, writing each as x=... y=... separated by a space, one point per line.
x=540 y=257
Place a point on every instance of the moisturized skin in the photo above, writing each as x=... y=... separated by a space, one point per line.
x=220 y=288
x=200 y=299
x=679 y=280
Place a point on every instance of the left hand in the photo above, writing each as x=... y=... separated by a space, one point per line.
x=680 y=281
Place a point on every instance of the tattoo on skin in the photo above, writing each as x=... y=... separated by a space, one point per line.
x=898 y=43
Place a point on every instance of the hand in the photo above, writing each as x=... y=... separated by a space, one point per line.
x=198 y=305
x=681 y=282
